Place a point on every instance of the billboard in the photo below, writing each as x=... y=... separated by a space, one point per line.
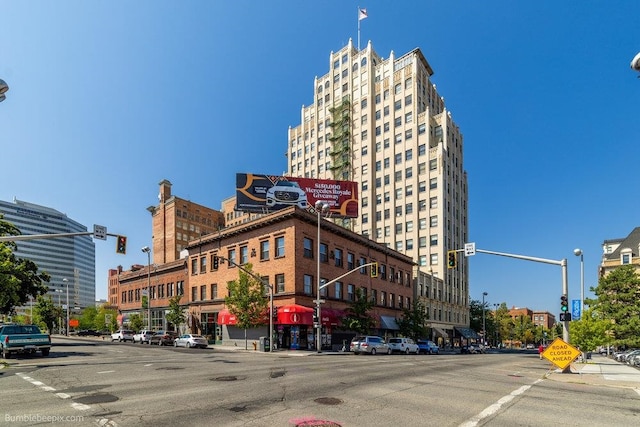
x=269 y=193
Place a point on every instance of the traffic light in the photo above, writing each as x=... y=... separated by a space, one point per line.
x=121 y=245
x=565 y=317
x=216 y=262
x=564 y=304
x=374 y=269
x=316 y=318
x=451 y=259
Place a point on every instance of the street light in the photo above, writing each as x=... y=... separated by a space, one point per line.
x=3 y=88
x=322 y=208
x=58 y=291
x=484 y=321
x=148 y=251
x=66 y=328
x=578 y=252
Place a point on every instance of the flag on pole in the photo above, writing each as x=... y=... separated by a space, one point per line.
x=362 y=14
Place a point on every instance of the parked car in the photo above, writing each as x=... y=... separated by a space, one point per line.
x=23 y=339
x=122 y=335
x=428 y=347
x=403 y=345
x=191 y=340
x=369 y=344
x=143 y=336
x=163 y=338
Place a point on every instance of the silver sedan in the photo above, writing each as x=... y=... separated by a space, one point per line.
x=191 y=340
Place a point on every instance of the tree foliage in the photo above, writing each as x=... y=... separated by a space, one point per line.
x=413 y=323
x=46 y=313
x=618 y=302
x=19 y=278
x=590 y=331
x=136 y=322
x=357 y=317
x=175 y=315
x=247 y=301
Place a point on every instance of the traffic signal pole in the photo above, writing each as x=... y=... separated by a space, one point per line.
x=565 y=278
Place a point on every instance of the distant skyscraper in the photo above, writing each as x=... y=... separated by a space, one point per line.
x=382 y=123
x=71 y=258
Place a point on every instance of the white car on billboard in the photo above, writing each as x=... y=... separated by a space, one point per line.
x=286 y=193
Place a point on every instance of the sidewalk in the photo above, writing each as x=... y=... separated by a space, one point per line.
x=600 y=370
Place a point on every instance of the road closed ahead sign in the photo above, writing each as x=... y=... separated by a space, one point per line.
x=560 y=353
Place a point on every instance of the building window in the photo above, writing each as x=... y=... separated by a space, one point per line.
x=363 y=261
x=324 y=252
x=337 y=253
x=203 y=292
x=232 y=257
x=194 y=266
x=351 y=292
x=264 y=250
x=214 y=291
x=433 y=240
x=308 y=247
x=338 y=290
x=279 y=283
x=383 y=298
x=308 y=284
x=433 y=221
x=244 y=255
x=279 y=247
x=350 y=261
x=194 y=293
x=433 y=183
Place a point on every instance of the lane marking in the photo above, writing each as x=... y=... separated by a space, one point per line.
x=492 y=409
x=63 y=395
x=105 y=372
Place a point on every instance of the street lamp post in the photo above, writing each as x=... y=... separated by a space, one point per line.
x=484 y=321
x=148 y=252
x=578 y=252
x=58 y=291
x=66 y=328
x=322 y=208
x=495 y=320
x=3 y=88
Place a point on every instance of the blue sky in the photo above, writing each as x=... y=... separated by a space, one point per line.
x=107 y=98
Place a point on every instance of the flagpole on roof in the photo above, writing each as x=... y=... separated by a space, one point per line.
x=362 y=14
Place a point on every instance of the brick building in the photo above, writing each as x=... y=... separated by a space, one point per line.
x=282 y=248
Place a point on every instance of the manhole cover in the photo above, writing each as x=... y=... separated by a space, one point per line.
x=328 y=401
x=96 y=398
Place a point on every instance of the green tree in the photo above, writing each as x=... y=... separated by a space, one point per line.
x=175 y=315
x=19 y=278
x=88 y=317
x=103 y=314
x=590 y=331
x=413 y=323
x=357 y=317
x=136 y=322
x=618 y=301
x=247 y=301
x=46 y=313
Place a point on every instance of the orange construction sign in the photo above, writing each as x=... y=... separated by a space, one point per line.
x=560 y=353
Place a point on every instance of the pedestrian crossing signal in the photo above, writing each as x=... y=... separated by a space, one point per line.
x=216 y=262
x=121 y=245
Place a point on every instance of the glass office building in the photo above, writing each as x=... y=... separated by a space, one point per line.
x=70 y=258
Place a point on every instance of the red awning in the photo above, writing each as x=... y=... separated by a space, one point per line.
x=295 y=314
x=332 y=316
x=226 y=318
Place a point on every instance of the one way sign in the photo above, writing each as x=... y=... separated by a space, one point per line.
x=469 y=249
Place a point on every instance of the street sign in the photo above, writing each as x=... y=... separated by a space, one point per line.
x=560 y=353
x=575 y=309
x=469 y=249
x=99 y=232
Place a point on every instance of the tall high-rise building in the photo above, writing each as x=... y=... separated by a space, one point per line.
x=381 y=122
x=70 y=258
